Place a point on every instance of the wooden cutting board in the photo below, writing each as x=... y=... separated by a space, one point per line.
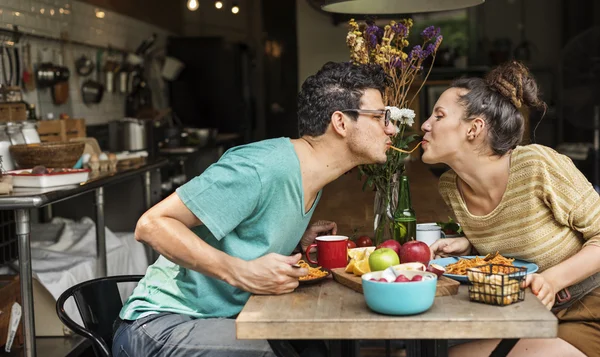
x=445 y=286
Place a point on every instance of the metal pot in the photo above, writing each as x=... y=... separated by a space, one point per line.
x=201 y=137
x=128 y=134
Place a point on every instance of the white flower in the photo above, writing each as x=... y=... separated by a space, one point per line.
x=403 y=116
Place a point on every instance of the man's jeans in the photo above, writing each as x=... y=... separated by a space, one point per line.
x=176 y=335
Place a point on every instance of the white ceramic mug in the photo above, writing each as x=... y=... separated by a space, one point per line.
x=429 y=233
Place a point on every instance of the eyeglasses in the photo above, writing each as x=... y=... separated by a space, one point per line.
x=385 y=112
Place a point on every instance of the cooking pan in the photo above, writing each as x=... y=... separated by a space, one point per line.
x=84 y=66
x=92 y=90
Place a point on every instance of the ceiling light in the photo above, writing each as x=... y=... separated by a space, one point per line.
x=235 y=9
x=395 y=6
x=192 y=5
x=100 y=14
x=219 y=4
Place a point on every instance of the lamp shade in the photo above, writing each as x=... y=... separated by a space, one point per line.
x=368 y=7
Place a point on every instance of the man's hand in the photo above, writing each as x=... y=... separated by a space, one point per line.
x=450 y=247
x=316 y=229
x=542 y=288
x=269 y=274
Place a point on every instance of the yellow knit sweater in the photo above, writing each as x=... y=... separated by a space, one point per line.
x=547 y=214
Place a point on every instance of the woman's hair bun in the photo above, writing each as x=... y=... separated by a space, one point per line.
x=514 y=81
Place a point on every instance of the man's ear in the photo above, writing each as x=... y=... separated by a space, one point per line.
x=339 y=123
x=476 y=128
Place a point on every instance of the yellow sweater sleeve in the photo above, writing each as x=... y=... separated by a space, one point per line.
x=570 y=196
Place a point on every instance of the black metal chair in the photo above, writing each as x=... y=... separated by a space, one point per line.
x=99 y=303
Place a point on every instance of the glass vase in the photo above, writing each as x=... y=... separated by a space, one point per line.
x=386 y=199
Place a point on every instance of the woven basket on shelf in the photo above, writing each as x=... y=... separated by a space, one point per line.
x=50 y=155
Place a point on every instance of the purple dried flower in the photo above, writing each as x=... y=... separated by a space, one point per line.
x=428 y=51
x=416 y=52
x=438 y=41
x=373 y=34
x=400 y=29
x=396 y=62
x=430 y=32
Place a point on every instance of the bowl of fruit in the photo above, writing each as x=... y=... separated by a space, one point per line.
x=399 y=292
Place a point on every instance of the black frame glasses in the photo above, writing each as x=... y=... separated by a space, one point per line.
x=385 y=112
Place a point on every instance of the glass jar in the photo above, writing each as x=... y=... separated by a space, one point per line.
x=14 y=133
x=7 y=162
x=30 y=132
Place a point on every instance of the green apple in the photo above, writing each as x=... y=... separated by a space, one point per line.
x=383 y=258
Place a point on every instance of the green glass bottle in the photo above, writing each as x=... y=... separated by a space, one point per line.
x=405 y=220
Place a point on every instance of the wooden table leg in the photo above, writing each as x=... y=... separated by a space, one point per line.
x=427 y=348
x=344 y=348
x=504 y=348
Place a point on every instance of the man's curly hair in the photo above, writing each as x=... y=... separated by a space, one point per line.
x=336 y=86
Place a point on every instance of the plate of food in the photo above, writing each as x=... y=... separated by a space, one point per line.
x=315 y=274
x=456 y=267
x=41 y=177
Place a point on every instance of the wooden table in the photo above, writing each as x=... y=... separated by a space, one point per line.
x=330 y=311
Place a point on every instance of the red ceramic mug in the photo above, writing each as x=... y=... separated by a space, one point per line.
x=332 y=251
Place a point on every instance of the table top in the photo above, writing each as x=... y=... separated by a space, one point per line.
x=329 y=310
x=24 y=197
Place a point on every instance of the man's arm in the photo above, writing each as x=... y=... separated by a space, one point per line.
x=166 y=228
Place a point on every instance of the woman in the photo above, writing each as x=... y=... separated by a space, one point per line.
x=528 y=202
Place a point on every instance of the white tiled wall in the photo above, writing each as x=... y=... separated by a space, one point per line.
x=50 y=18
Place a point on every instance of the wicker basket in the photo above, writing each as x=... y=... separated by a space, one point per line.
x=50 y=155
x=496 y=284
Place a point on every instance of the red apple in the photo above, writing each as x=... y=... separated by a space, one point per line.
x=436 y=269
x=383 y=280
x=392 y=244
x=402 y=279
x=351 y=244
x=415 y=251
x=417 y=278
x=364 y=241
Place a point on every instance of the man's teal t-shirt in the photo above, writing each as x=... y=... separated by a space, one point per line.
x=251 y=203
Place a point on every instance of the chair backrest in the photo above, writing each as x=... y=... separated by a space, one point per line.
x=99 y=304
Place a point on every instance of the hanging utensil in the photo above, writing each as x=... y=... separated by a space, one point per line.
x=60 y=90
x=3 y=63
x=11 y=65
x=84 y=66
x=17 y=74
x=92 y=90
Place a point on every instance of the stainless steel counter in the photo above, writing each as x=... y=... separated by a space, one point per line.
x=24 y=199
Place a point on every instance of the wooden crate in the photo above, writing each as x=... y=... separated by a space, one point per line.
x=10 y=292
x=13 y=112
x=61 y=130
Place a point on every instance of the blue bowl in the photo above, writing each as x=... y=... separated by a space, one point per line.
x=408 y=298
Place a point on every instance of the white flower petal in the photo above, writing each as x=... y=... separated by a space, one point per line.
x=405 y=116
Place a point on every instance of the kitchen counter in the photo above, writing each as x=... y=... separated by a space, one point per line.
x=23 y=199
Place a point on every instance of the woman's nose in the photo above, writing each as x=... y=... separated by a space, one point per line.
x=426 y=126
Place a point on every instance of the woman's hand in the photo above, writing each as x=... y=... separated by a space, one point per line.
x=450 y=247
x=542 y=288
x=316 y=229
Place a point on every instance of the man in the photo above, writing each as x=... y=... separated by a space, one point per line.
x=229 y=232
